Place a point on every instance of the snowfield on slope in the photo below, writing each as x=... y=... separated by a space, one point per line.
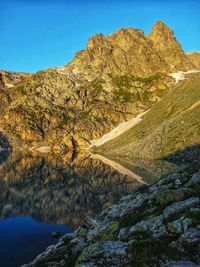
x=180 y=75
x=121 y=128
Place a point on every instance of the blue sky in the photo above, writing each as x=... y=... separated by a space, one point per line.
x=37 y=34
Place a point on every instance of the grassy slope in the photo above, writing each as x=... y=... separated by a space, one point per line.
x=171 y=125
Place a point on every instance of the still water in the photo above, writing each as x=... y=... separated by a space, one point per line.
x=23 y=237
x=43 y=194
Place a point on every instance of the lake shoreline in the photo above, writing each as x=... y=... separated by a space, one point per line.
x=155 y=225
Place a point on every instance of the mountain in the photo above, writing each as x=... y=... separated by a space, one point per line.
x=195 y=58
x=165 y=43
x=112 y=80
x=170 y=126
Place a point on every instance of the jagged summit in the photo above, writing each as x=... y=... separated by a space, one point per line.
x=128 y=50
x=124 y=51
x=165 y=43
x=161 y=25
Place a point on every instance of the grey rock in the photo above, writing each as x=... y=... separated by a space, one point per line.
x=186 y=223
x=178 y=183
x=191 y=236
x=123 y=209
x=181 y=264
x=77 y=245
x=153 y=226
x=179 y=226
x=175 y=227
x=55 y=234
x=194 y=180
x=107 y=253
x=180 y=206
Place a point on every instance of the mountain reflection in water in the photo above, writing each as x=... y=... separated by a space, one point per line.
x=50 y=190
x=59 y=191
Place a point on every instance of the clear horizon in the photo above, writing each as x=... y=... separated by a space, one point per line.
x=41 y=34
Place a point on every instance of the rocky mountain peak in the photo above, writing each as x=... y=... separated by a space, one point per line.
x=163 y=37
x=96 y=40
x=161 y=26
x=126 y=51
x=165 y=43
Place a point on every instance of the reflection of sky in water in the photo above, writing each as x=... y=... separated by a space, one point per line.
x=22 y=239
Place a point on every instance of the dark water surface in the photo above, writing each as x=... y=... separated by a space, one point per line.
x=40 y=194
x=23 y=238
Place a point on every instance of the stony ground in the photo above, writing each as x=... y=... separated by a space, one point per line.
x=156 y=225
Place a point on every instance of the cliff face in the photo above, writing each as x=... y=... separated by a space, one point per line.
x=113 y=79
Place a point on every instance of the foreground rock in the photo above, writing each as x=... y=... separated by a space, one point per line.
x=157 y=225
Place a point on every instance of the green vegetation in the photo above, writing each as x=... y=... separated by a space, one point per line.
x=96 y=86
x=21 y=89
x=128 y=85
x=124 y=95
x=65 y=120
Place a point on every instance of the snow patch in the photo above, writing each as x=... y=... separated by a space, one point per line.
x=180 y=75
x=121 y=128
x=44 y=149
x=9 y=85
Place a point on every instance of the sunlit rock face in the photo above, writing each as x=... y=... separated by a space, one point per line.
x=165 y=43
x=112 y=80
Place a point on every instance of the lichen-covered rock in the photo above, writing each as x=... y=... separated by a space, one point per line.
x=181 y=264
x=179 y=207
x=105 y=254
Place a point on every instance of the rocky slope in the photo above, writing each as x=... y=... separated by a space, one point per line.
x=113 y=79
x=195 y=58
x=170 y=126
x=153 y=226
